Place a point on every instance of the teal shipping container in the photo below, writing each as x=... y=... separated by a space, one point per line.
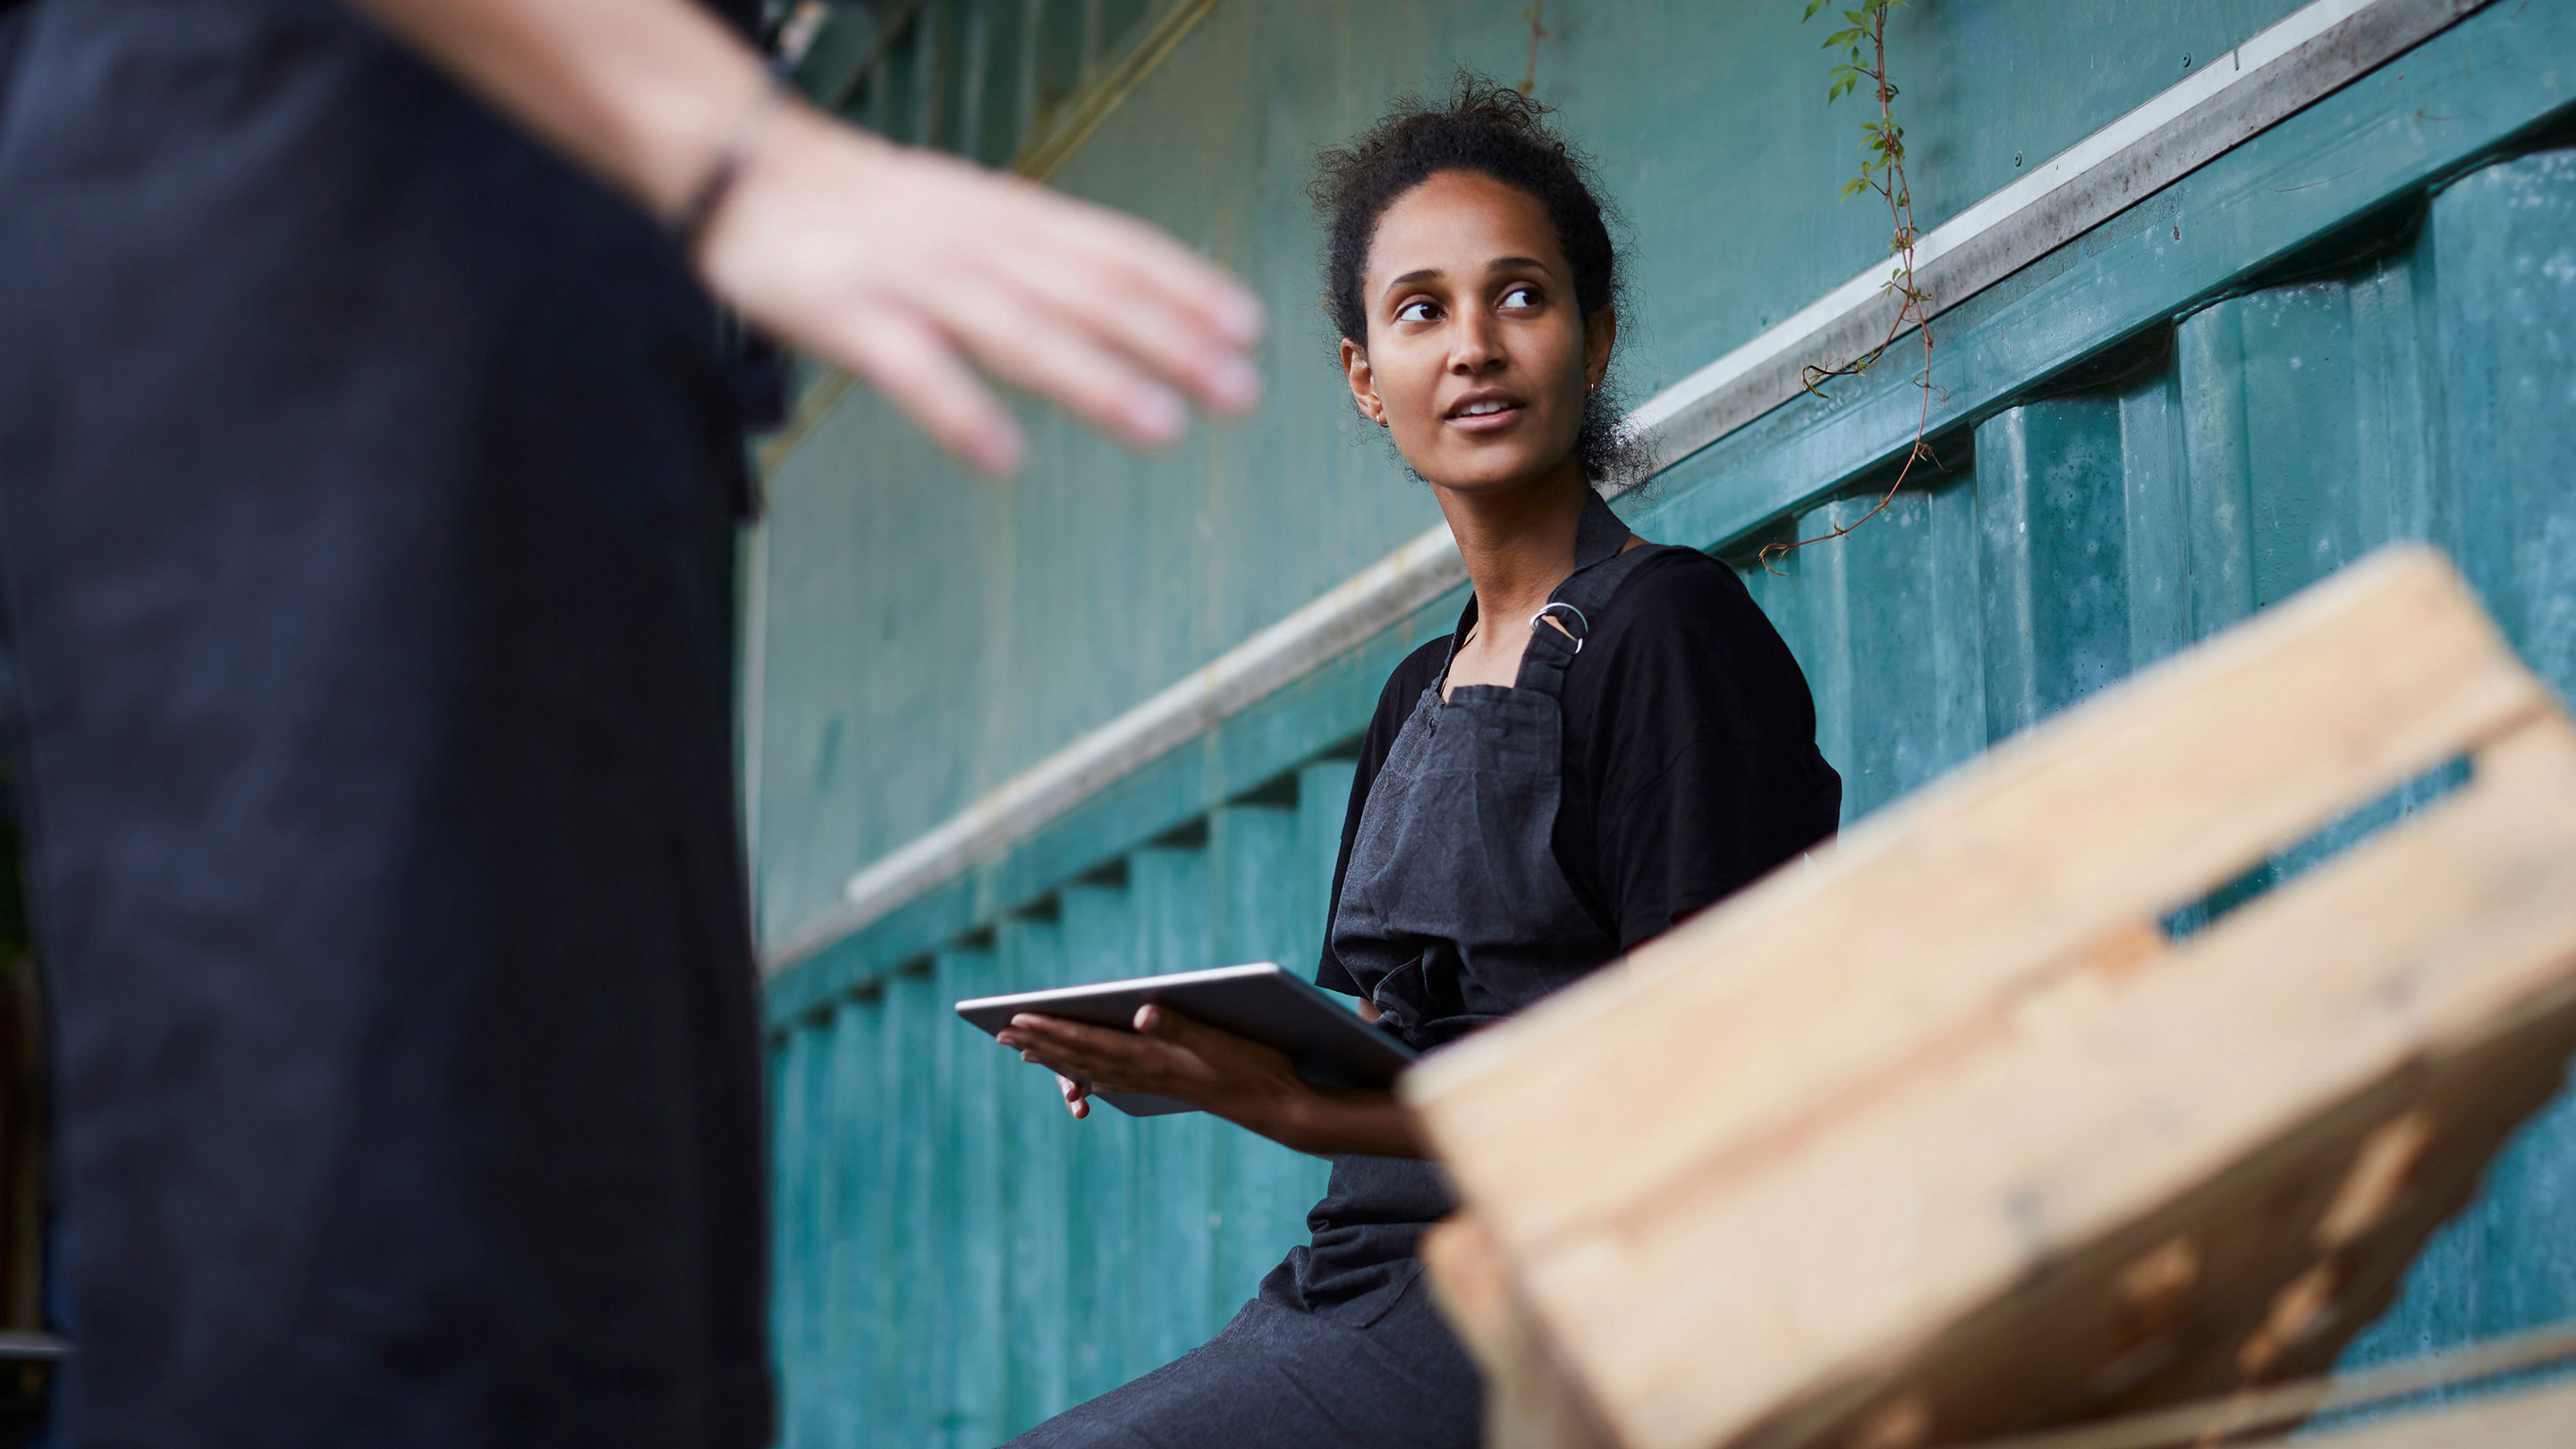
x=2228 y=292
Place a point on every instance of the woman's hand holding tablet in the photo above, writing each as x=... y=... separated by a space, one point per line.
x=1233 y=1077
x=1253 y=1044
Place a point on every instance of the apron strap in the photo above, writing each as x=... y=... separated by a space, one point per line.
x=1600 y=567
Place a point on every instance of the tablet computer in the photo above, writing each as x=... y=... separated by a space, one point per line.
x=1327 y=1041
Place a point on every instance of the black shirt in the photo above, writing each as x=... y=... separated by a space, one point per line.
x=1690 y=766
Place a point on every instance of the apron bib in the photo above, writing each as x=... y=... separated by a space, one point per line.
x=1454 y=912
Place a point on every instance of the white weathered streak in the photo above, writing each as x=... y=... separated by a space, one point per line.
x=2236 y=95
x=1359 y=606
x=2311 y=53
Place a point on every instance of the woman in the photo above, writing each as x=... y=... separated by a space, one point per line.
x=1624 y=743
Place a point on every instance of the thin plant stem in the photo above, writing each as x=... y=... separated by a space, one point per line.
x=1885 y=174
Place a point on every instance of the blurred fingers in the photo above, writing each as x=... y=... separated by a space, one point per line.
x=1207 y=291
x=1025 y=343
x=919 y=371
x=1122 y=308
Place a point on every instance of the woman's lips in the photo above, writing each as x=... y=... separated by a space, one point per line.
x=1502 y=415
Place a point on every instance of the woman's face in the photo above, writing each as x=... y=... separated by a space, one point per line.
x=1478 y=356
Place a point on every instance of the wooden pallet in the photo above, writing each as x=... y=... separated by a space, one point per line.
x=2538 y=1419
x=1944 y=1138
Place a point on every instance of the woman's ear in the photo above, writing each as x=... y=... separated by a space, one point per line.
x=1355 y=366
x=1600 y=334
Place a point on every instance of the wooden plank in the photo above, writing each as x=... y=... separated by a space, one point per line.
x=2542 y=1419
x=1898 y=1270
x=2207 y=762
x=1992 y=961
x=2263 y=1413
x=1532 y=1400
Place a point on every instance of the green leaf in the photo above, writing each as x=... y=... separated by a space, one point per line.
x=1852 y=188
x=1812 y=7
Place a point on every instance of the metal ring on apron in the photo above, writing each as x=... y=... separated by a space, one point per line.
x=1553 y=605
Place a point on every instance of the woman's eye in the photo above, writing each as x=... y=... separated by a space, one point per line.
x=1519 y=297
x=1417 y=310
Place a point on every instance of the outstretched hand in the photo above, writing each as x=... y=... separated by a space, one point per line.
x=911 y=269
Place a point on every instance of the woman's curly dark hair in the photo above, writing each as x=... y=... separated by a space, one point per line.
x=1495 y=130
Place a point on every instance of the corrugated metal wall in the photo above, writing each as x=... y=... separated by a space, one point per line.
x=952 y=1285
x=958 y=1258
x=2427 y=393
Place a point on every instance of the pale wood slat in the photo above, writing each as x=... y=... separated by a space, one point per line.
x=1531 y=1399
x=2542 y=1419
x=2207 y=763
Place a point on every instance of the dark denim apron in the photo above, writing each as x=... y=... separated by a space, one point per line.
x=1454 y=912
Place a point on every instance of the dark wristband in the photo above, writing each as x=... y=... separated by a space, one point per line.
x=689 y=227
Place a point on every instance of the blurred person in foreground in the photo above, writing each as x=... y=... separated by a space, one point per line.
x=369 y=480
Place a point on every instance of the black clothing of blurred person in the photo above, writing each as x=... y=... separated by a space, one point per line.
x=369 y=482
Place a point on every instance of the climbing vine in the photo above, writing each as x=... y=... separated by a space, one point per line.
x=1534 y=14
x=1863 y=42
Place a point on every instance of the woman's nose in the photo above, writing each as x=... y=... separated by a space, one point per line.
x=1474 y=345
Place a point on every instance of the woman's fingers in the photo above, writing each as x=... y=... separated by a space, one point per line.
x=1171 y=1026
x=1108 y=299
x=1107 y=1059
x=1208 y=291
x=1021 y=341
x=919 y=371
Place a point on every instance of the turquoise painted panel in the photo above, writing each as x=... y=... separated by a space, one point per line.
x=2501 y=250
x=1039 y=1142
x=1177 y=1204
x=850 y=1258
x=2362 y=327
x=798 y=1145
x=1268 y=910
x=974 y=1229
x=1106 y=1319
